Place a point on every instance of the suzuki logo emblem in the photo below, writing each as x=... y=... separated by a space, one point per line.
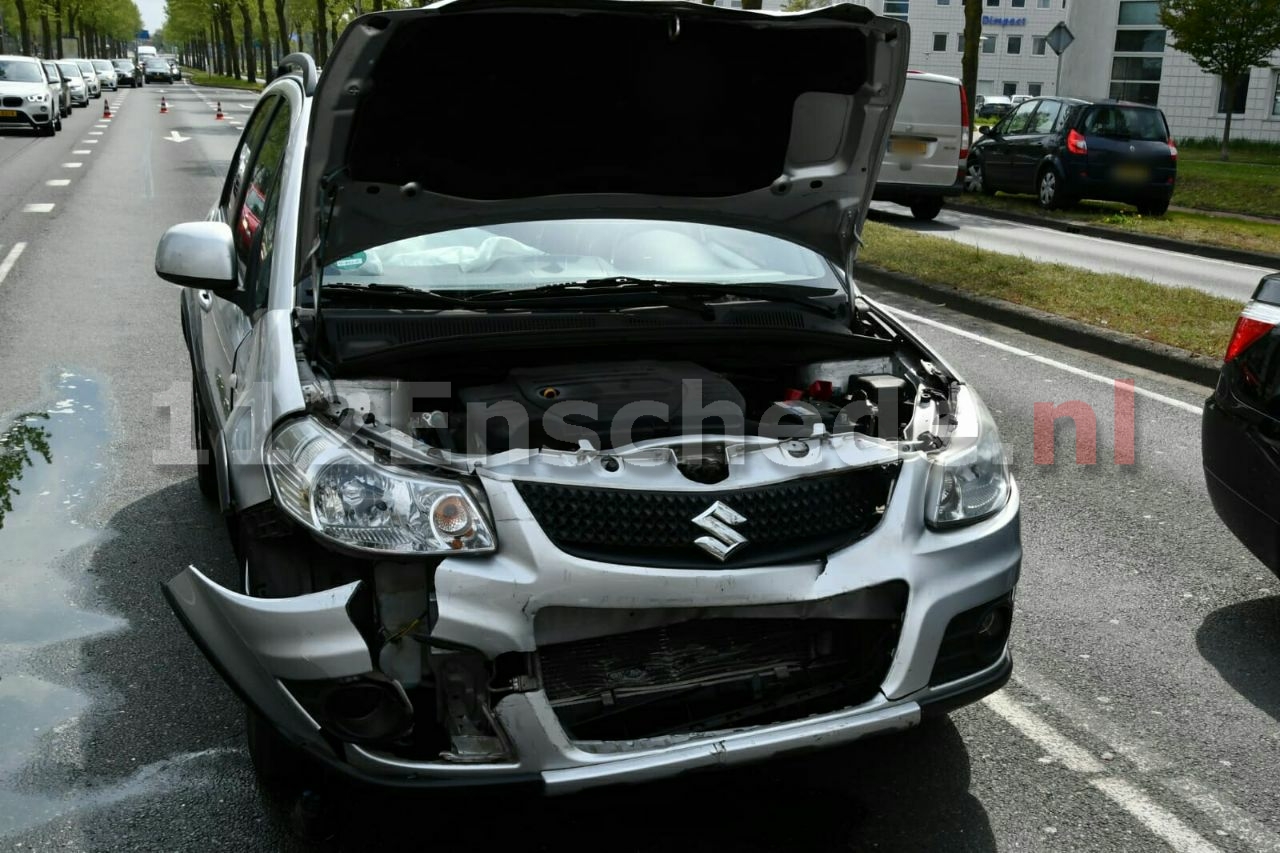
x=724 y=540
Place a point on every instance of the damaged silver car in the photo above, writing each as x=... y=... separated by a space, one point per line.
x=557 y=443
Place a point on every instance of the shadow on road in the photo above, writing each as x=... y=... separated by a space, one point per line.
x=1241 y=642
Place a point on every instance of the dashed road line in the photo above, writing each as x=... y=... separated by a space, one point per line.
x=72 y=165
x=82 y=151
x=57 y=182
x=38 y=207
x=10 y=259
x=1160 y=822
x=1040 y=359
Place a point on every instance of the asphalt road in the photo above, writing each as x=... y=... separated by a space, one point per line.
x=1144 y=715
x=1234 y=281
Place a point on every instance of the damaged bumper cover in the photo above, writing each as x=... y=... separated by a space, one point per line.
x=263 y=647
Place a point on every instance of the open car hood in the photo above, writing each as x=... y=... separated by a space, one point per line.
x=477 y=112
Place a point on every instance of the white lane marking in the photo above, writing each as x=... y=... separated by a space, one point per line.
x=1241 y=824
x=1159 y=821
x=1049 y=362
x=1162 y=823
x=39 y=207
x=245 y=106
x=88 y=142
x=103 y=125
x=72 y=165
x=10 y=259
x=174 y=136
x=57 y=182
x=82 y=151
x=94 y=133
x=1071 y=756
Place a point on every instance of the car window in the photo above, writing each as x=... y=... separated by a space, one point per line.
x=1019 y=119
x=249 y=142
x=1126 y=122
x=260 y=182
x=1045 y=117
x=17 y=71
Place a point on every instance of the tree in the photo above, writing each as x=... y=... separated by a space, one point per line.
x=972 y=51
x=1226 y=39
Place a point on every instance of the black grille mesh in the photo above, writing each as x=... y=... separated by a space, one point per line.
x=12 y=101
x=794 y=520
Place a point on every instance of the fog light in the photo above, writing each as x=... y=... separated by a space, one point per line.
x=369 y=709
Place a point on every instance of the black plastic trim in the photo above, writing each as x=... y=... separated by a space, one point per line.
x=943 y=702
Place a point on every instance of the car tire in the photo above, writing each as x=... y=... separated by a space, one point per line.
x=926 y=209
x=46 y=129
x=975 y=179
x=206 y=470
x=278 y=764
x=1153 y=208
x=1049 y=189
x=57 y=124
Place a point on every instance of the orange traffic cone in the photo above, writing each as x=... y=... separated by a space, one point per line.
x=106 y=108
x=164 y=108
x=219 y=115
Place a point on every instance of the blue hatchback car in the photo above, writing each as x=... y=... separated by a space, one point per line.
x=1066 y=149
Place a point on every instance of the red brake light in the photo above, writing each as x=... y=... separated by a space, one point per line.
x=1173 y=148
x=964 y=125
x=1076 y=143
x=1256 y=320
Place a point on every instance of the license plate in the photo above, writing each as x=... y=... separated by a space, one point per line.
x=1132 y=174
x=908 y=146
x=8 y=113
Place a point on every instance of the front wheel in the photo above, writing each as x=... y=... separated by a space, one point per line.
x=45 y=129
x=926 y=209
x=975 y=179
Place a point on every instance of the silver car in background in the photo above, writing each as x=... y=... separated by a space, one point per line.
x=581 y=460
x=106 y=74
x=925 y=159
x=90 y=75
x=76 y=84
x=59 y=85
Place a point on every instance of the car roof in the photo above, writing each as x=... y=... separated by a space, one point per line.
x=15 y=57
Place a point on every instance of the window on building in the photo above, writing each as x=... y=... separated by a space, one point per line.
x=896 y=8
x=1015 y=44
x=988 y=44
x=1275 y=102
x=993 y=2
x=1042 y=4
x=986 y=87
x=939 y=41
x=1238 y=97
x=1010 y=89
x=1139 y=41
x=1035 y=90
x=1136 y=78
x=944 y=2
x=1139 y=12
x=1019 y=4
x=1038 y=44
x=960 y=42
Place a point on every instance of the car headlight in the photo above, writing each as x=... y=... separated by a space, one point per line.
x=969 y=480
x=338 y=490
x=37 y=99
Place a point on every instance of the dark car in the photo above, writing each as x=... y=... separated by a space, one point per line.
x=157 y=71
x=1065 y=149
x=126 y=73
x=1240 y=434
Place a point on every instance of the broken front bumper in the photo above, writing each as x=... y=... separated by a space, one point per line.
x=489 y=605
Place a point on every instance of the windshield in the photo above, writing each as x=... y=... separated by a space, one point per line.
x=85 y=66
x=69 y=69
x=102 y=65
x=524 y=255
x=122 y=63
x=17 y=71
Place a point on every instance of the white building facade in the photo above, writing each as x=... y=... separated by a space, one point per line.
x=1120 y=51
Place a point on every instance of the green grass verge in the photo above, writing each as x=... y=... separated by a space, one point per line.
x=200 y=78
x=1180 y=317
x=1252 y=188
x=1242 y=150
x=1225 y=231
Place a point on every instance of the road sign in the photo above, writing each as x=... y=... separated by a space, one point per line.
x=144 y=35
x=1060 y=38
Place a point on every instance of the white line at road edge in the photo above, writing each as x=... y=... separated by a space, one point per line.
x=1159 y=821
x=57 y=182
x=38 y=207
x=10 y=259
x=973 y=336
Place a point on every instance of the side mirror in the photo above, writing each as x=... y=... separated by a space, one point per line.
x=984 y=129
x=199 y=254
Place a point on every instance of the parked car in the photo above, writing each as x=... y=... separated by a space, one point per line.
x=26 y=98
x=106 y=74
x=60 y=87
x=90 y=75
x=994 y=106
x=127 y=73
x=1240 y=432
x=156 y=71
x=429 y=597
x=75 y=82
x=925 y=161
x=1064 y=149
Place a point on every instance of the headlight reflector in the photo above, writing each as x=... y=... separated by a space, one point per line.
x=970 y=480
x=338 y=490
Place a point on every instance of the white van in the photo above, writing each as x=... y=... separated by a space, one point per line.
x=928 y=147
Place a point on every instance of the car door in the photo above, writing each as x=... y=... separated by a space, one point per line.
x=1028 y=150
x=998 y=161
x=222 y=324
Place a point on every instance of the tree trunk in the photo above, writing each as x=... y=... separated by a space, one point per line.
x=322 y=42
x=57 y=17
x=1228 y=98
x=268 y=67
x=334 y=32
x=377 y=5
x=972 y=51
x=282 y=29
x=246 y=26
x=46 y=32
x=23 y=26
x=229 y=40
x=215 y=44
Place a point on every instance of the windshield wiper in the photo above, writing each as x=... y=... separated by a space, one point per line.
x=703 y=292
x=430 y=298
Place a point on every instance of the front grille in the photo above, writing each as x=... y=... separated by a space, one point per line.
x=795 y=520
x=712 y=674
x=11 y=101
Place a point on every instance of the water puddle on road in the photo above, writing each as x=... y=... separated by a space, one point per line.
x=50 y=465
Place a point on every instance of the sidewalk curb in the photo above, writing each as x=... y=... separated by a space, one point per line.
x=1161 y=358
x=1201 y=250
